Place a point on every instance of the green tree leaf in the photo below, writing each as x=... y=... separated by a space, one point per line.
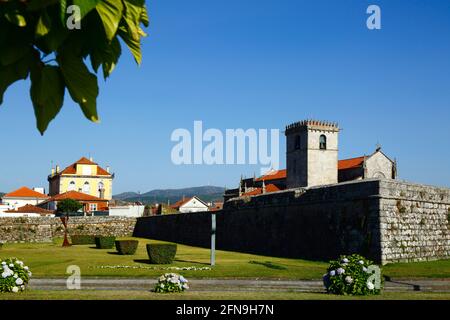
x=132 y=17
x=110 y=12
x=47 y=94
x=16 y=18
x=133 y=45
x=86 y=6
x=44 y=24
x=107 y=55
x=12 y=73
x=82 y=84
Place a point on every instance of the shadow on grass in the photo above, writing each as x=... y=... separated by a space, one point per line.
x=144 y=261
x=189 y=261
x=269 y=265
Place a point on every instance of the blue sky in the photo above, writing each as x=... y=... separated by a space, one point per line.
x=254 y=64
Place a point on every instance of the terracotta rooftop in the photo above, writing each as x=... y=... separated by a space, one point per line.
x=179 y=203
x=25 y=192
x=74 y=195
x=28 y=208
x=72 y=169
x=269 y=188
x=350 y=163
x=273 y=175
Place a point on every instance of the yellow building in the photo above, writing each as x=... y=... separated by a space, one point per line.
x=83 y=176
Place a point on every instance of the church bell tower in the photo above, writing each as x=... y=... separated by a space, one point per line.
x=311 y=153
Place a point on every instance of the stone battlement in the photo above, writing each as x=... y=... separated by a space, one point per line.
x=313 y=124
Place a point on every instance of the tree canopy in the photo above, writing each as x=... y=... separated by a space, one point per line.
x=68 y=206
x=51 y=42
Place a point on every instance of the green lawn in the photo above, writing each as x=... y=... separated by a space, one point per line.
x=143 y=295
x=51 y=260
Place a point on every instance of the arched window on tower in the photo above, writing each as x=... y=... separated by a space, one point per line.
x=297 y=142
x=323 y=142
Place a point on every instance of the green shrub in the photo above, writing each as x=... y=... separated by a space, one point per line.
x=104 y=242
x=82 y=239
x=161 y=253
x=353 y=275
x=128 y=247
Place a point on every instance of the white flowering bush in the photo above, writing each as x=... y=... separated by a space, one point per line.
x=171 y=282
x=14 y=275
x=352 y=275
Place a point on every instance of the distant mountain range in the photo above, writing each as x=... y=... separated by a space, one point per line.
x=206 y=193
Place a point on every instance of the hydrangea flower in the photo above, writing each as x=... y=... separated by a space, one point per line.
x=361 y=262
x=348 y=279
x=340 y=271
x=370 y=285
x=345 y=260
x=332 y=273
x=19 y=281
x=15 y=289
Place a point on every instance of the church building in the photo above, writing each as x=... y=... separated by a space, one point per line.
x=312 y=160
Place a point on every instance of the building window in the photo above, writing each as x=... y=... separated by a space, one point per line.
x=72 y=186
x=297 y=142
x=92 y=207
x=86 y=188
x=323 y=142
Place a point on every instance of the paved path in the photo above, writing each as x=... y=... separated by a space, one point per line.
x=426 y=285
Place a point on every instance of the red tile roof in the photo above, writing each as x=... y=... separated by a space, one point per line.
x=74 y=195
x=28 y=208
x=273 y=175
x=72 y=169
x=179 y=203
x=350 y=163
x=25 y=192
x=269 y=188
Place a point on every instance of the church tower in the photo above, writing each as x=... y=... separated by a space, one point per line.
x=311 y=153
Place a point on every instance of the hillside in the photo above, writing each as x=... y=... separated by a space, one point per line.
x=206 y=193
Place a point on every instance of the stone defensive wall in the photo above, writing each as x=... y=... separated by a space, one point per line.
x=44 y=229
x=385 y=220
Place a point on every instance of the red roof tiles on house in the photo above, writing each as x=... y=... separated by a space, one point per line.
x=72 y=169
x=74 y=195
x=25 y=192
x=28 y=208
x=179 y=203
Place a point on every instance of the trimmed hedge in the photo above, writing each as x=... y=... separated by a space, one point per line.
x=104 y=242
x=82 y=239
x=127 y=247
x=161 y=253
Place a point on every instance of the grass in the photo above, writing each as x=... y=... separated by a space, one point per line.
x=52 y=260
x=144 y=295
